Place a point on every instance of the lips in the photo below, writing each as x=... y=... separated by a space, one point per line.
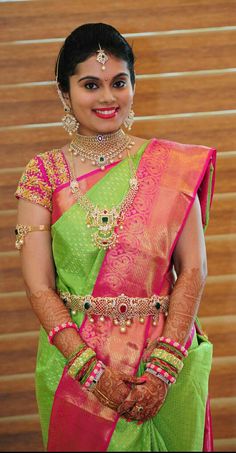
x=106 y=113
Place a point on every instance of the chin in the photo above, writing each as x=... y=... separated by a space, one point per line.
x=107 y=130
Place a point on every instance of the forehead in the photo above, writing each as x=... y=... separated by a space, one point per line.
x=92 y=67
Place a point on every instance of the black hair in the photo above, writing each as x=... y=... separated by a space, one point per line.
x=83 y=42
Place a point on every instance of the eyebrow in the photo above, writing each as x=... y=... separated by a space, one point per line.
x=97 y=78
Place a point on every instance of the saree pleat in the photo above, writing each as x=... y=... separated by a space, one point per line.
x=139 y=266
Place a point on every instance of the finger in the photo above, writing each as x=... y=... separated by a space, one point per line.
x=133 y=379
x=138 y=413
x=125 y=408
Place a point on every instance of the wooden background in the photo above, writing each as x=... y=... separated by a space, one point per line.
x=186 y=84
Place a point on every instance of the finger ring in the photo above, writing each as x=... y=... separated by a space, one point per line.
x=139 y=408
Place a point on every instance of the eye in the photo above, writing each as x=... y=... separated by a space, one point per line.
x=120 y=83
x=90 y=86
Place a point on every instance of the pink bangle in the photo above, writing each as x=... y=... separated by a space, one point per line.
x=64 y=325
x=159 y=370
x=175 y=344
x=93 y=377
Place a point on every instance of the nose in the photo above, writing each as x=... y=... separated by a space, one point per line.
x=107 y=96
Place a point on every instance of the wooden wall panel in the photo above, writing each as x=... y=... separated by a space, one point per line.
x=16 y=308
x=223 y=219
x=17 y=395
x=21 y=433
x=53 y=18
x=18 y=145
x=155 y=54
x=221 y=252
x=18 y=353
x=164 y=96
x=219 y=296
x=185 y=61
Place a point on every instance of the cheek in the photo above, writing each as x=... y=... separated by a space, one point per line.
x=81 y=100
x=126 y=98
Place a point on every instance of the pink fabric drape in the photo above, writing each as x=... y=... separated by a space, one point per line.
x=139 y=266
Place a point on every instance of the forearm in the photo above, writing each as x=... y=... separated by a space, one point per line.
x=51 y=312
x=184 y=304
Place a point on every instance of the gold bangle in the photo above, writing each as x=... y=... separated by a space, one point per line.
x=108 y=402
x=22 y=230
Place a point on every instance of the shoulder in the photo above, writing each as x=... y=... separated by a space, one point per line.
x=42 y=174
x=182 y=147
x=53 y=167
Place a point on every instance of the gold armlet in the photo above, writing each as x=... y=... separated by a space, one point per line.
x=22 y=230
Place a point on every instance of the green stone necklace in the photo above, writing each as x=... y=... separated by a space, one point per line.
x=104 y=220
x=101 y=149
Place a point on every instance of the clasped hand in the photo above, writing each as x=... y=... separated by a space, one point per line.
x=136 y=398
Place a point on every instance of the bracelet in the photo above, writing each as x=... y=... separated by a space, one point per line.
x=168 y=358
x=86 y=370
x=94 y=376
x=159 y=375
x=59 y=328
x=80 y=361
x=157 y=369
x=22 y=230
x=166 y=367
x=174 y=343
x=75 y=352
x=171 y=350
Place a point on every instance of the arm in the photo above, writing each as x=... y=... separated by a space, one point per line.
x=39 y=277
x=191 y=268
x=190 y=263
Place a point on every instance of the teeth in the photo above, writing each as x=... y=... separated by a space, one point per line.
x=105 y=112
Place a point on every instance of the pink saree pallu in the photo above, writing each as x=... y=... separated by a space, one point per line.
x=170 y=175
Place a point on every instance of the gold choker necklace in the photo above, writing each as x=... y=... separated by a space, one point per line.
x=101 y=149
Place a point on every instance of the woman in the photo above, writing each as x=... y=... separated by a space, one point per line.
x=116 y=266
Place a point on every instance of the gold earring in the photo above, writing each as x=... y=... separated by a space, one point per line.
x=129 y=120
x=69 y=122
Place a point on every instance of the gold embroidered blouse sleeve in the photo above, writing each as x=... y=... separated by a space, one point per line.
x=34 y=184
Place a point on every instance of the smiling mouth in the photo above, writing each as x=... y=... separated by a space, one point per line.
x=106 y=113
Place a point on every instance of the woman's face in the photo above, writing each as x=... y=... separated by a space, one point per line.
x=101 y=99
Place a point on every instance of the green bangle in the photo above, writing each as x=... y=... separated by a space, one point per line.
x=80 y=361
x=78 y=349
x=168 y=357
x=166 y=368
x=88 y=372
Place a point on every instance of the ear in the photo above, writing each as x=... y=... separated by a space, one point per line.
x=134 y=83
x=66 y=98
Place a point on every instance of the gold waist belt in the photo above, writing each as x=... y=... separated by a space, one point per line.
x=121 y=309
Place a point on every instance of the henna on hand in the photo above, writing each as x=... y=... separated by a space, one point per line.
x=184 y=303
x=113 y=387
x=51 y=311
x=144 y=401
x=149 y=349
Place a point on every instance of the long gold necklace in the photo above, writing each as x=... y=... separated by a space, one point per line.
x=101 y=149
x=105 y=219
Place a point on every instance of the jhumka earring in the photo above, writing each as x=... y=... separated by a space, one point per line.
x=102 y=57
x=129 y=120
x=69 y=122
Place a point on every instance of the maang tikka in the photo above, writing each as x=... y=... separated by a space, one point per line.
x=102 y=57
